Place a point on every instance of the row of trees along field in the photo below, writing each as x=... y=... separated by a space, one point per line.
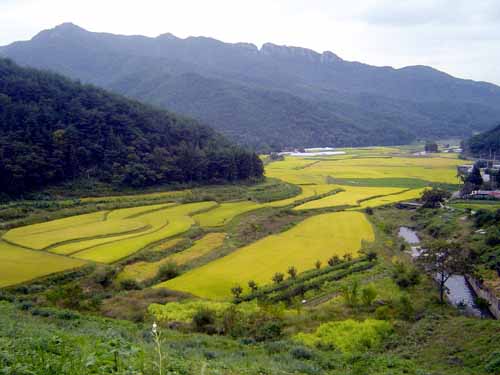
x=53 y=130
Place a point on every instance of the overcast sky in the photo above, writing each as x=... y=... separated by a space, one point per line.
x=460 y=37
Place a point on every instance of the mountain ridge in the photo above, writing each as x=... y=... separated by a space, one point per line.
x=404 y=104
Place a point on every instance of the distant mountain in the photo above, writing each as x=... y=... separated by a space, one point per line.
x=54 y=130
x=484 y=145
x=273 y=96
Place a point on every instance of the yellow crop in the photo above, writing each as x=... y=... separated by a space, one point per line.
x=318 y=237
x=164 y=223
x=351 y=196
x=19 y=265
x=389 y=199
x=142 y=271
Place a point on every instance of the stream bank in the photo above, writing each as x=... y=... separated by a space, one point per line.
x=459 y=292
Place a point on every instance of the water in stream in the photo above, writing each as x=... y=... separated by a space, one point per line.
x=459 y=292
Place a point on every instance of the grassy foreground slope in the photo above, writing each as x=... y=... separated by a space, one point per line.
x=49 y=342
x=316 y=238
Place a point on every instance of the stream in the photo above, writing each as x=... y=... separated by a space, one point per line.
x=459 y=293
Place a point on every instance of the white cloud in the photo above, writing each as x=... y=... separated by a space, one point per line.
x=457 y=36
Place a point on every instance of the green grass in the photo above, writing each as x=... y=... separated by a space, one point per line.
x=316 y=238
x=476 y=205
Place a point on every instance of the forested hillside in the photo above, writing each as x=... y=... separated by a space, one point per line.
x=54 y=130
x=486 y=145
x=273 y=96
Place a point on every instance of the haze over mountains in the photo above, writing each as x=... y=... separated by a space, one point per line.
x=270 y=97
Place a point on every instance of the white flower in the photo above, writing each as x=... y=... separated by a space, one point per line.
x=155 y=327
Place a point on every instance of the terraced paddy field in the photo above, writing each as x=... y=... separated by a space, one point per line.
x=431 y=169
x=316 y=238
x=225 y=212
x=393 y=198
x=222 y=214
x=18 y=265
x=164 y=224
x=367 y=177
x=108 y=236
x=143 y=271
x=350 y=196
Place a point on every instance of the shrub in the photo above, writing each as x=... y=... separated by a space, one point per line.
x=183 y=312
x=233 y=322
x=104 y=275
x=292 y=271
x=317 y=264
x=236 y=291
x=350 y=293
x=493 y=363
x=301 y=352
x=347 y=257
x=278 y=278
x=167 y=271
x=253 y=286
x=349 y=336
x=368 y=295
x=371 y=256
x=405 y=308
x=269 y=330
x=70 y=296
x=385 y=313
x=204 y=320
x=129 y=284
x=405 y=276
x=334 y=260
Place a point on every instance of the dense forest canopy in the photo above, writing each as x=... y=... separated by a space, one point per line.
x=54 y=130
x=484 y=145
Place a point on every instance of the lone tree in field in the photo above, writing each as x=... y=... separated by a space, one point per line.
x=292 y=271
x=434 y=198
x=278 y=278
x=475 y=178
x=317 y=264
x=443 y=259
x=237 y=291
x=253 y=286
x=431 y=146
x=334 y=260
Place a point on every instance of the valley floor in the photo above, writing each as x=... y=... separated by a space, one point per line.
x=301 y=274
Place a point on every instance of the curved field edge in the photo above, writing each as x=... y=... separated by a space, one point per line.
x=316 y=238
x=180 y=221
x=349 y=196
x=100 y=224
x=143 y=271
x=19 y=265
x=225 y=212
